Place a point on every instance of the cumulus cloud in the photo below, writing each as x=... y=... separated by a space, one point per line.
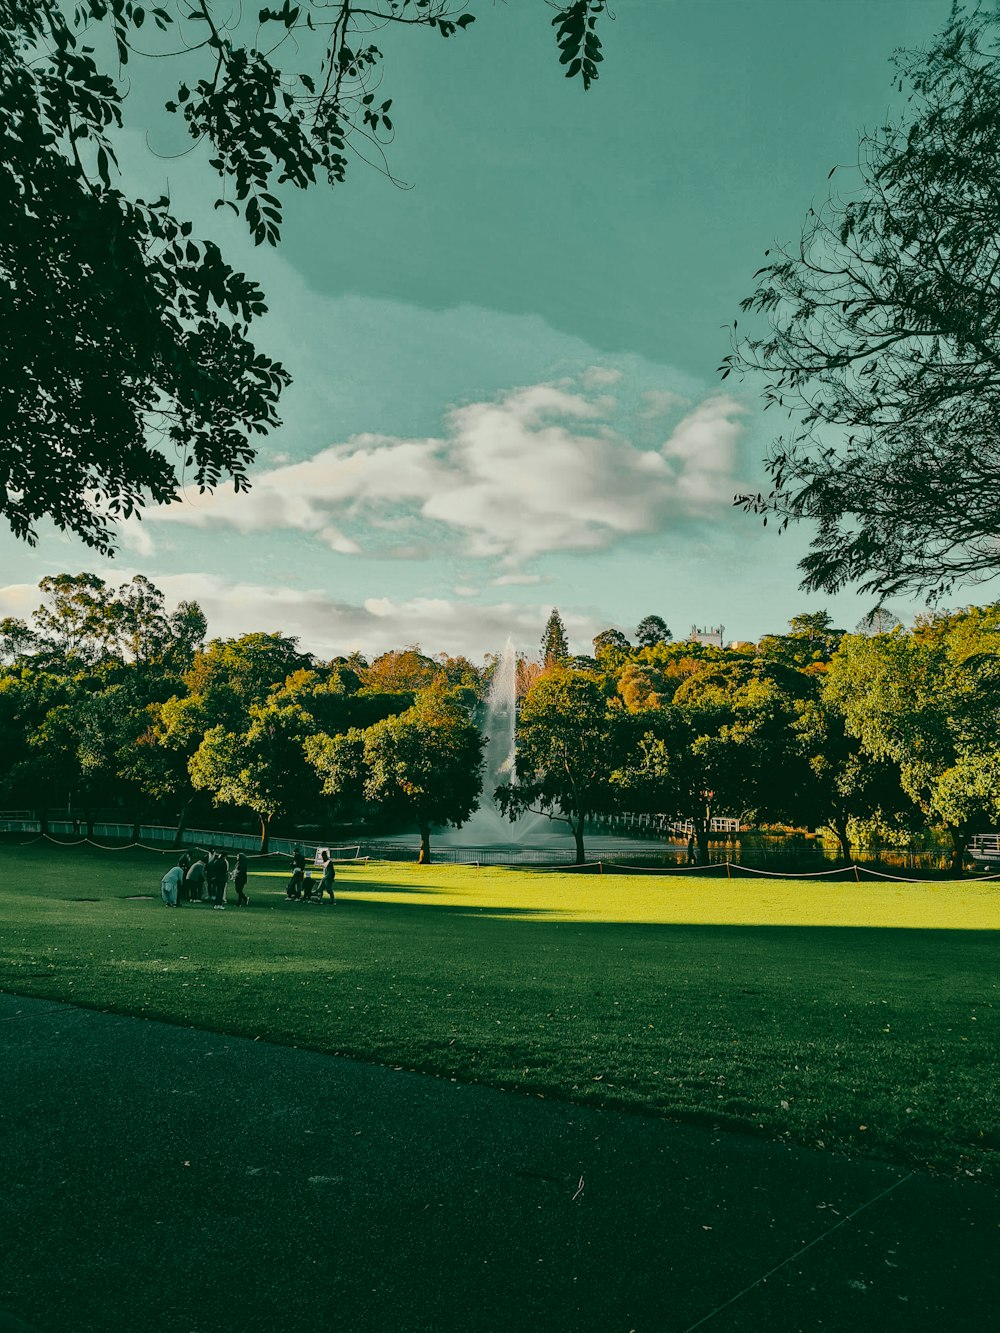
x=541 y=469
x=18 y=600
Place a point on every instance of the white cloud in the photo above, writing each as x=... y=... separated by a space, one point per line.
x=600 y=377
x=330 y=628
x=523 y=580
x=539 y=470
x=19 y=600
x=658 y=402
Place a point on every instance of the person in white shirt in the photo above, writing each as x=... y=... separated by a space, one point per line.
x=169 y=885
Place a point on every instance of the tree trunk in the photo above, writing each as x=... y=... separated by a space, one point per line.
x=425 y=845
x=701 y=835
x=265 y=834
x=840 y=828
x=578 y=835
x=182 y=815
x=958 y=841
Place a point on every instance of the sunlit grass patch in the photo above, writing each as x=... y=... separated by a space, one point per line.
x=683 y=899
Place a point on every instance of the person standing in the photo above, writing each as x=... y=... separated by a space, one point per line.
x=293 y=889
x=240 y=880
x=169 y=885
x=329 y=877
x=218 y=872
x=184 y=861
x=195 y=880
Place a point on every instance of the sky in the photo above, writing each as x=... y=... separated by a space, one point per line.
x=506 y=394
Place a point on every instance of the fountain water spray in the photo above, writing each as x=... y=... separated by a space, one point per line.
x=499 y=725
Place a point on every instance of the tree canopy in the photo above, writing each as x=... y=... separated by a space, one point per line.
x=125 y=339
x=883 y=340
x=566 y=739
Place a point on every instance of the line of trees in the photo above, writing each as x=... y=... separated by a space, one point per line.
x=109 y=701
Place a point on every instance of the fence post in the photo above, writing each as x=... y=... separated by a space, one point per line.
x=857 y=877
x=728 y=872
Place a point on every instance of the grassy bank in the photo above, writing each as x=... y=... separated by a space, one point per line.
x=861 y=1017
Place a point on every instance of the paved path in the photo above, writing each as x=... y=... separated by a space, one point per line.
x=161 y=1178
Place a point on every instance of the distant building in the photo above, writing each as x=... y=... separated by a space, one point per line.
x=712 y=635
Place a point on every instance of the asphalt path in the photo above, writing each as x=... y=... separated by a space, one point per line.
x=169 y=1179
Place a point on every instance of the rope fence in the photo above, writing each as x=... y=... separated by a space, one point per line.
x=353 y=853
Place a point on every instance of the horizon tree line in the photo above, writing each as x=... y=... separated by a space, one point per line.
x=109 y=701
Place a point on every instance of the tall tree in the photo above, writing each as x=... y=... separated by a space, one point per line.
x=884 y=340
x=124 y=339
x=555 y=645
x=652 y=630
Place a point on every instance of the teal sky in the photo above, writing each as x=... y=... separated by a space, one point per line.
x=506 y=393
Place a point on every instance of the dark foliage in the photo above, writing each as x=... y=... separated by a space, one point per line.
x=884 y=341
x=128 y=366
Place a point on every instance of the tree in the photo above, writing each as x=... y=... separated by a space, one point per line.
x=124 y=339
x=844 y=784
x=33 y=773
x=78 y=623
x=565 y=752
x=231 y=674
x=262 y=768
x=555 y=645
x=884 y=341
x=84 y=622
x=742 y=758
x=652 y=630
x=425 y=763
x=402 y=669
x=642 y=686
x=17 y=640
x=927 y=701
x=811 y=639
x=879 y=621
x=610 y=641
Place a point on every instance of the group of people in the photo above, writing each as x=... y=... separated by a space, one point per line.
x=205 y=878
x=301 y=886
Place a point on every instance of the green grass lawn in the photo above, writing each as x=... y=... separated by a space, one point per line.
x=856 y=1017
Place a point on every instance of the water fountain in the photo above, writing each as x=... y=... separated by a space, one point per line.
x=487 y=826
